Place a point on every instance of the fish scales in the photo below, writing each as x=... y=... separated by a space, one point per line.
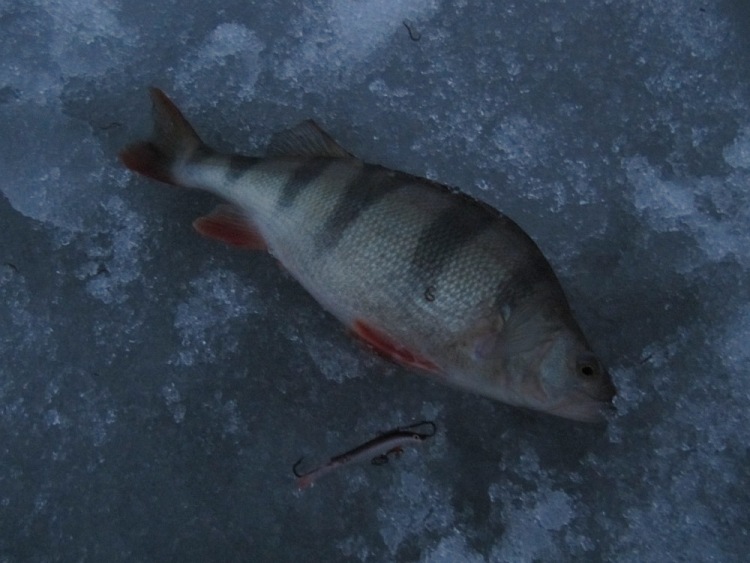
x=304 y=174
x=396 y=245
x=371 y=185
x=397 y=249
x=374 y=262
x=360 y=229
x=429 y=277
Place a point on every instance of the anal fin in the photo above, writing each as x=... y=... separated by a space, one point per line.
x=390 y=349
x=229 y=225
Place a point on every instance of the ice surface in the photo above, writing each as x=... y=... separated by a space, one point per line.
x=737 y=154
x=204 y=321
x=351 y=33
x=230 y=56
x=156 y=387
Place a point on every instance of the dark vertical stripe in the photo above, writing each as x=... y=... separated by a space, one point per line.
x=457 y=226
x=523 y=278
x=305 y=174
x=238 y=165
x=363 y=191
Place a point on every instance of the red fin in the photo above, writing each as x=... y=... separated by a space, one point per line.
x=228 y=225
x=390 y=349
x=146 y=158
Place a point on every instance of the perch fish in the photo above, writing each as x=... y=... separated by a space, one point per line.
x=429 y=277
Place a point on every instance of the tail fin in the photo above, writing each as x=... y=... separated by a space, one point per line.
x=173 y=139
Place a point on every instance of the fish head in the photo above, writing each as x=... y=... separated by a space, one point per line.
x=574 y=382
x=540 y=360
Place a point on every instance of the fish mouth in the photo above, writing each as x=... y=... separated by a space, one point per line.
x=607 y=392
x=586 y=408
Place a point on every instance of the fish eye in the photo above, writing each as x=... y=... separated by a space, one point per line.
x=587 y=368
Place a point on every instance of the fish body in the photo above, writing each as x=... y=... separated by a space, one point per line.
x=376 y=450
x=430 y=277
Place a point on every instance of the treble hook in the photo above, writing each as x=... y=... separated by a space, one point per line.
x=381 y=459
x=295 y=466
x=413 y=35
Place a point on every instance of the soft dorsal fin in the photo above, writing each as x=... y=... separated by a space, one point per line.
x=305 y=139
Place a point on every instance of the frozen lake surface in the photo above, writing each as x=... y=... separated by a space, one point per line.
x=156 y=387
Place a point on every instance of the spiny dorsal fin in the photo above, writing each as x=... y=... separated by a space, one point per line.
x=305 y=139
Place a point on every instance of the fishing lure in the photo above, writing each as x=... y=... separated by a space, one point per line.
x=378 y=450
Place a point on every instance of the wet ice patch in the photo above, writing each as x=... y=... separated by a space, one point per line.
x=520 y=141
x=334 y=362
x=681 y=534
x=50 y=42
x=74 y=402
x=704 y=420
x=382 y=89
x=711 y=210
x=413 y=507
x=337 y=39
x=536 y=522
x=694 y=25
x=82 y=30
x=229 y=56
x=27 y=327
x=451 y=549
x=735 y=353
x=726 y=430
x=115 y=256
x=737 y=154
x=55 y=187
x=531 y=528
x=55 y=168
x=352 y=547
x=205 y=320
x=666 y=203
x=232 y=417
x=174 y=402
